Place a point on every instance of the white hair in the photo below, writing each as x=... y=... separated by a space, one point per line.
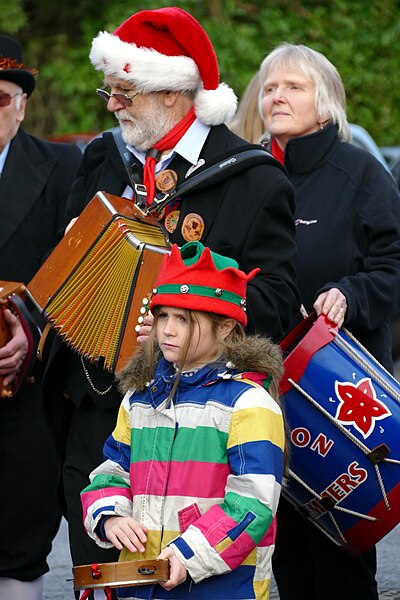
x=330 y=95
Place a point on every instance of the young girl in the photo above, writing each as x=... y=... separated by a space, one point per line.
x=194 y=466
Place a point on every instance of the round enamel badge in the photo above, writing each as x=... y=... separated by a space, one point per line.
x=192 y=227
x=171 y=220
x=166 y=180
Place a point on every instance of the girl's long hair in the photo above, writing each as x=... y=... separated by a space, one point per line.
x=153 y=353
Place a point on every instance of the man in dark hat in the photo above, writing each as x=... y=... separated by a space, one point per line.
x=35 y=179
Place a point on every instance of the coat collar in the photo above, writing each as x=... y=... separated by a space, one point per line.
x=24 y=177
x=305 y=154
x=199 y=377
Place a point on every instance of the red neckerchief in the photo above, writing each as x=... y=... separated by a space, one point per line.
x=277 y=151
x=168 y=141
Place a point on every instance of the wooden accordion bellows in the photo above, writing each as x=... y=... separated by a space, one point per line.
x=92 y=286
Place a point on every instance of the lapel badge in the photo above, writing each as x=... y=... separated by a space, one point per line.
x=166 y=180
x=171 y=220
x=192 y=227
x=191 y=169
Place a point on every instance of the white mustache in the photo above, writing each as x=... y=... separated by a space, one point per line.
x=124 y=115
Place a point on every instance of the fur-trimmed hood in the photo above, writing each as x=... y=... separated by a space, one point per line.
x=254 y=354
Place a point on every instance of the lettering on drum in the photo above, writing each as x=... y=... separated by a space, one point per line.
x=337 y=491
x=301 y=437
x=346 y=482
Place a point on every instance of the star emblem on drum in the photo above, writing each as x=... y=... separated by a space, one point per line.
x=359 y=405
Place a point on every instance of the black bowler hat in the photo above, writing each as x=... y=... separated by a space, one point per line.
x=12 y=67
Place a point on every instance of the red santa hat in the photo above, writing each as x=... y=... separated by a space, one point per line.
x=196 y=278
x=166 y=49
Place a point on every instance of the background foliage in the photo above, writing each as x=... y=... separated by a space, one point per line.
x=361 y=38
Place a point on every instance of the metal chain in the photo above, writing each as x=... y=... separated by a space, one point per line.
x=94 y=388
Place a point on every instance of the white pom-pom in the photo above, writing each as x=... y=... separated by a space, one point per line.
x=214 y=107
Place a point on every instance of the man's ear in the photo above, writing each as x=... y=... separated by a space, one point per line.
x=170 y=97
x=21 y=111
x=225 y=327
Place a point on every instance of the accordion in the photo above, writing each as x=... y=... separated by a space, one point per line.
x=93 y=286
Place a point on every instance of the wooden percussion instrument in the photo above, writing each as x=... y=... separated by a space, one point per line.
x=91 y=288
x=12 y=296
x=120 y=574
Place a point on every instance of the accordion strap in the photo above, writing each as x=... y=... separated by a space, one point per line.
x=139 y=190
x=225 y=166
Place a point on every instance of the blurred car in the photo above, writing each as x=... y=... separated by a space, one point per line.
x=362 y=139
x=390 y=159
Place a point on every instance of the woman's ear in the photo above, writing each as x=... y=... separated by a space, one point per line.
x=225 y=327
x=323 y=121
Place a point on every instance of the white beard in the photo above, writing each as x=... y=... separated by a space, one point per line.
x=142 y=133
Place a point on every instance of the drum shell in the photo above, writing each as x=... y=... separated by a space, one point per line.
x=323 y=457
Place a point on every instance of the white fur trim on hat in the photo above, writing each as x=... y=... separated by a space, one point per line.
x=214 y=107
x=148 y=69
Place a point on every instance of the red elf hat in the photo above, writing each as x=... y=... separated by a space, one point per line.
x=196 y=278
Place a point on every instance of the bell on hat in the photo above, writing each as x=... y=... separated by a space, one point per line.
x=196 y=278
x=12 y=67
x=166 y=49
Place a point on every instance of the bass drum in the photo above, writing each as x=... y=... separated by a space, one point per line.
x=343 y=411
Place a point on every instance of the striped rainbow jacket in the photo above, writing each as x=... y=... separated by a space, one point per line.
x=203 y=474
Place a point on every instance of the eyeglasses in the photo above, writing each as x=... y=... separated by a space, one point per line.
x=123 y=99
x=5 y=99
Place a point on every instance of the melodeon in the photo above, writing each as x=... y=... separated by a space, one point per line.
x=92 y=287
x=120 y=574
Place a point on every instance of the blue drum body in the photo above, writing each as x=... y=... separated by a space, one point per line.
x=343 y=411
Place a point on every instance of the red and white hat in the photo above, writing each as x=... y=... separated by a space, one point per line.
x=166 y=49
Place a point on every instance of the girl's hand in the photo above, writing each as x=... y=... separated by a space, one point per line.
x=125 y=531
x=333 y=304
x=177 y=571
x=145 y=328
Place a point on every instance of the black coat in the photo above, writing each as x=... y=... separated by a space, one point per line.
x=348 y=233
x=249 y=217
x=34 y=187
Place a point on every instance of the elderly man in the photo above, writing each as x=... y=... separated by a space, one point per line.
x=35 y=179
x=162 y=81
